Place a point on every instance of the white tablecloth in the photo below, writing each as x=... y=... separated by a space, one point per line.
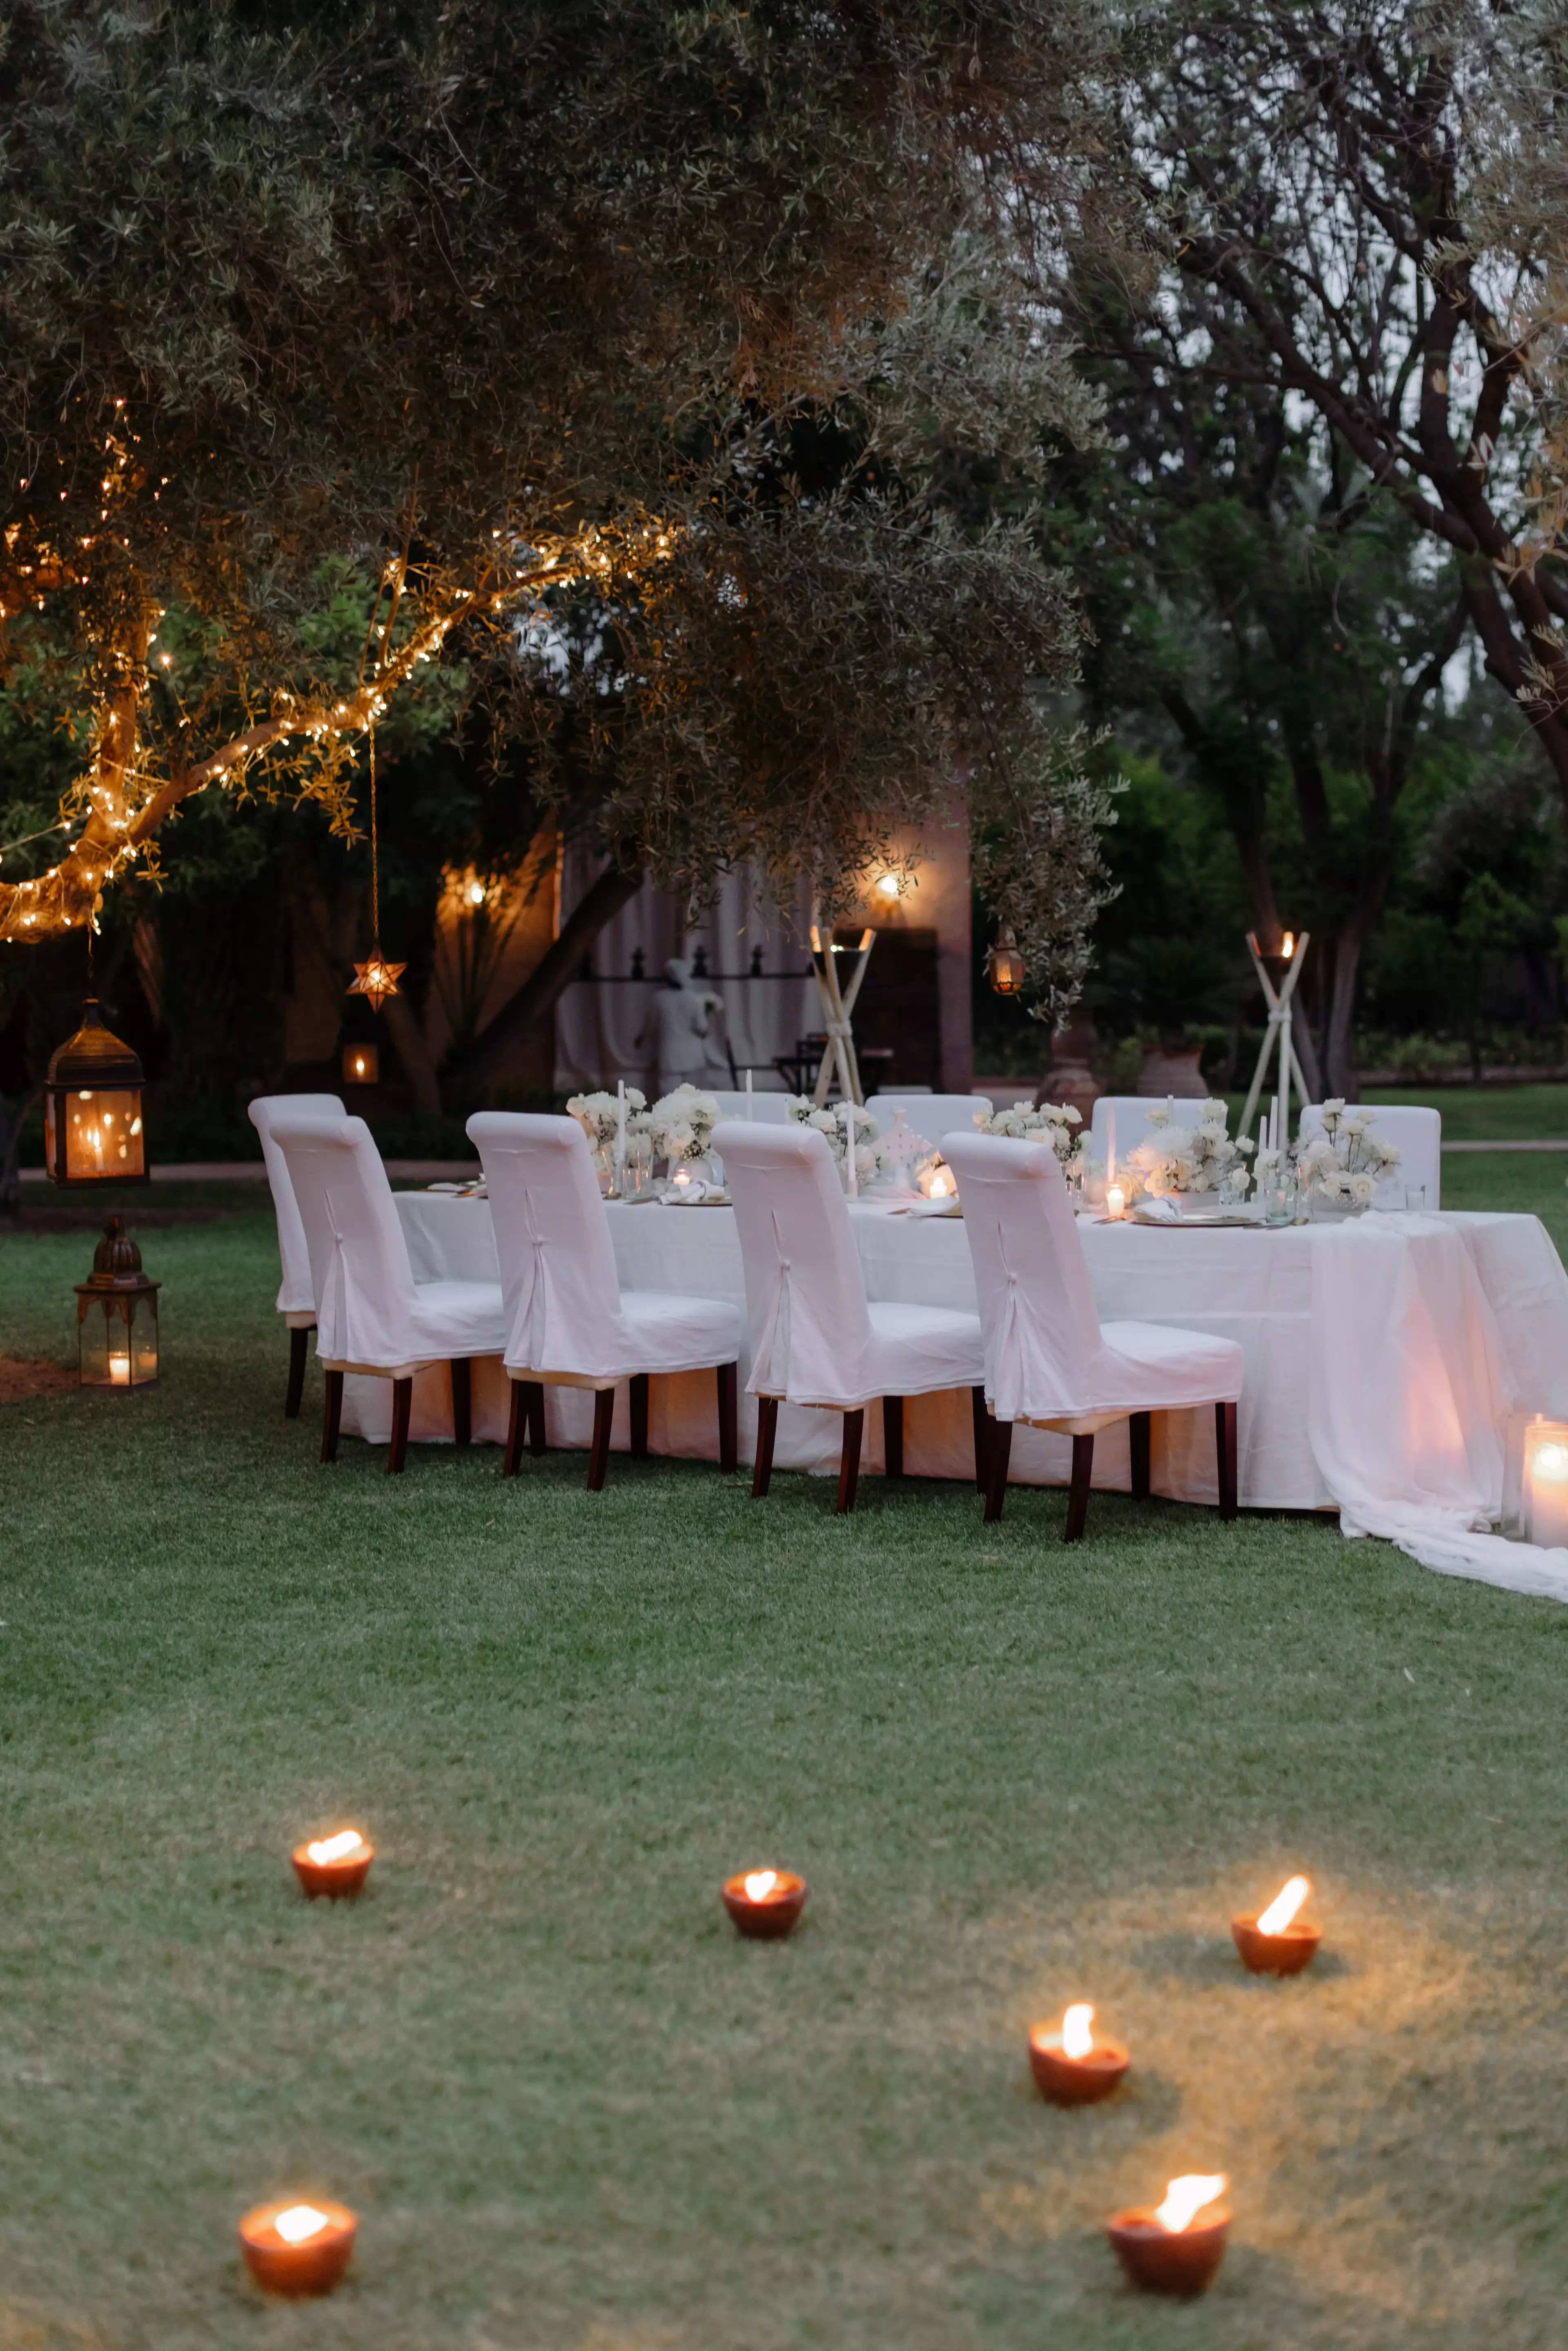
x=1382 y=1357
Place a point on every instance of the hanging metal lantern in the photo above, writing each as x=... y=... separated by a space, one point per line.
x=1006 y=965
x=117 y=1316
x=361 y=1065
x=92 y=1109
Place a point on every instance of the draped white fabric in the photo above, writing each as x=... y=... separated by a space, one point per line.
x=295 y=1298
x=1347 y=1333
x=1048 y=1358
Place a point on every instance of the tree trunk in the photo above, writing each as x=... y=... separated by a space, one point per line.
x=539 y=993
x=12 y=1117
x=1339 y=1075
x=408 y=1043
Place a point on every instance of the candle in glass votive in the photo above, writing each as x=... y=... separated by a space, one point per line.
x=120 y=1370
x=333 y=1865
x=765 y=1903
x=297 y=2249
x=1070 y=2065
x=1178 y=2246
x=1116 y=1200
x=1276 y=1942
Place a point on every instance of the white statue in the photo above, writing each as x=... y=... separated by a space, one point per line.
x=678 y=1030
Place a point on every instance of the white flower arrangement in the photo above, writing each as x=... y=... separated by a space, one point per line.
x=598 y=1115
x=1346 y=1165
x=1051 y=1122
x=682 y=1123
x=831 y=1123
x=1177 y=1159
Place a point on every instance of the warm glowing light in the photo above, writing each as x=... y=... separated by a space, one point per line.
x=359 y=1065
x=120 y=1370
x=336 y=1848
x=1551 y=1463
x=1185 y=2197
x=1289 y=948
x=1116 y=1200
x=475 y=893
x=760 y=1883
x=940 y=1188
x=1284 y=1907
x=887 y=887
x=300 y=2223
x=1077 y=2040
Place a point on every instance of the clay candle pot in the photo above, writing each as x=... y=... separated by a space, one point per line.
x=1178 y=2246
x=1070 y=2065
x=1277 y=1942
x=297 y=2249
x=765 y=1903
x=333 y=1865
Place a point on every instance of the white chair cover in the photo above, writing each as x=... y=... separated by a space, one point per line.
x=930 y=1115
x=814 y=1339
x=767 y=1108
x=1133 y=1120
x=1418 y=1134
x=1048 y=1359
x=567 y=1320
x=295 y=1299
x=370 y=1315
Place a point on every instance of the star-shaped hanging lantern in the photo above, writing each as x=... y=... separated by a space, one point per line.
x=375 y=979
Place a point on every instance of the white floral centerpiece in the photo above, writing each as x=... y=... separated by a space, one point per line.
x=682 y=1123
x=830 y=1122
x=1173 y=1159
x=1342 y=1169
x=1051 y=1122
x=598 y=1115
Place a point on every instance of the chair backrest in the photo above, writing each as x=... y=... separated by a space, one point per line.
x=1036 y=1305
x=296 y=1296
x=767 y=1108
x=929 y=1115
x=559 y=1282
x=360 y=1278
x=805 y=1293
x=1418 y=1133
x=1132 y=1119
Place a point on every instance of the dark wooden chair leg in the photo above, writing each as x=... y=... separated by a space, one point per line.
x=1078 y=1492
x=299 y=1348
x=893 y=1436
x=331 y=1414
x=767 y=1430
x=517 y=1412
x=982 y=1438
x=599 y=1454
x=728 y=1415
x=534 y=1414
x=849 y=1460
x=402 y=1405
x=1139 y=1429
x=998 y=1453
x=638 y=1385
x=462 y=1400
x=1224 y=1446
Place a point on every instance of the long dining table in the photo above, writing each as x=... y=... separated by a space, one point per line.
x=1384 y=1355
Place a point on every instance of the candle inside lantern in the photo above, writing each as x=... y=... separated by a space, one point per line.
x=120 y=1370
x=765 y=1903
x=1546 y=1485
x=297 y=2249
x=333 y=1865
x=1178 y=2246
x=1279 y=1941
x=1069 y=2064
x=1116 y=1200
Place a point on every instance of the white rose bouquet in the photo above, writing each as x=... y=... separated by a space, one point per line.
x=1052 y=1123
x=598 y=1114
x=1201 y=1158
x=682 y=1123
x=832 y=1123
x=1346 y=1165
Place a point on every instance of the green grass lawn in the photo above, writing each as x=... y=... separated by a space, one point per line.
x=577 y=2114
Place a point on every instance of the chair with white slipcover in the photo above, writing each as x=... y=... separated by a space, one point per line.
x=1418 y=1134
x=371 y=1316
x=568 y=1321
x=927 y=1115
x=815 y=1337
x=296 y=1301
x=1049 y=1361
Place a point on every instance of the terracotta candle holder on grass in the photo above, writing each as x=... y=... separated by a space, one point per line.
x=1277 y=1942
x=333 y=1865
x=765 y=1903
x=1071 y=2066
x=1176 y=2247
x=297 y=2249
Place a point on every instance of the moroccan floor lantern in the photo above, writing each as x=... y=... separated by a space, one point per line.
x=117 y=1316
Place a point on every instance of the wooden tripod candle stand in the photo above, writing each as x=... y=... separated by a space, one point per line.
x=838 y=1004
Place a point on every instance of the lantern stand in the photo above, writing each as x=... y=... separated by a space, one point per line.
x=92 y=1109
x=117 y=1297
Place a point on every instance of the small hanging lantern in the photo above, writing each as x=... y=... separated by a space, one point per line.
x=1006 y=965
x=361 y=1065
x=117 y=1316
x=376 y=977
x=92 y=1109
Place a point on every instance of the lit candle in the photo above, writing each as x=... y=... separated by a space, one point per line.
x=1070 y=2065
x=1178 y=2246
x=765 y=1903
x=1276 y=1942
x=297 y=2249
x=120 y=1370
x=1546 y=1484
x=1116 y=1200
x=333 y=1865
